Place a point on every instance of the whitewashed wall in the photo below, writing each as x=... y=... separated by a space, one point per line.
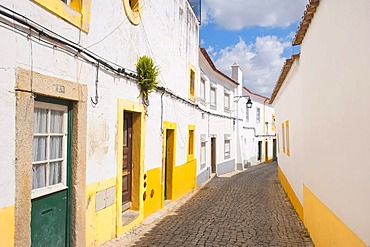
x=167 y=28
x=292 y=166
x=217 y=126
x=332 y=99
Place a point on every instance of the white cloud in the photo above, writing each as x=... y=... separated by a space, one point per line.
x=260 y=61
x=237 y=14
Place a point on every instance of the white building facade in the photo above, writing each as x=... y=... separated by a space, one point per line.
x=217 y=134
x=81 y=150
x=319 y=117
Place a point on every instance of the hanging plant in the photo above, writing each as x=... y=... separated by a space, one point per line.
x=147 y=75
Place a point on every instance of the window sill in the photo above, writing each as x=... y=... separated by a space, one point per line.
x=47 y=190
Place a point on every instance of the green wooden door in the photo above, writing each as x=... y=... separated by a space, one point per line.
x=51 y=174
x=49 y=220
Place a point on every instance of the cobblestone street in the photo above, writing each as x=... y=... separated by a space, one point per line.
x=247 y=208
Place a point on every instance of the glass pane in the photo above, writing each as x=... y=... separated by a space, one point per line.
x=125 y=124
x=39 y=148
x=40 y=121
x=38 y=176
x=55 y=173
x=56 y=122
x=56 y=148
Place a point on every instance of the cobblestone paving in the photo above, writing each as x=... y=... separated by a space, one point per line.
x=247 y=209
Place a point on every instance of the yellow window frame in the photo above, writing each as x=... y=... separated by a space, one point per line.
x=191 y=142
x=287 y=136
x=76 y=13
x=191 y=82
x=283 y=136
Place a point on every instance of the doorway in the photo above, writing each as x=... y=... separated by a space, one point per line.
x=213 y=154
x=51 y=174
x=274 y=151
x=259 y=157
x=127 y=161
x=169 y=163
x=266 y=150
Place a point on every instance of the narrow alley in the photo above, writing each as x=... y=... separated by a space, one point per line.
x=249 y=208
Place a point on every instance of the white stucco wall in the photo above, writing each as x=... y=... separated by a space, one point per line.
x=291 y=91
x=167 y=28
x=215 y=126
x=334 y=77
x=7 y=119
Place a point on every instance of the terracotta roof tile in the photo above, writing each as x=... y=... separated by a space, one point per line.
x=283 y=74
x=209 y=60
x=306 y=21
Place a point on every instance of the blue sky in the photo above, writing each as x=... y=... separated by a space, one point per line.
x=256 y=34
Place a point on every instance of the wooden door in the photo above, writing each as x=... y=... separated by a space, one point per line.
x=51 y=175
x=127 y=161
x=274 y=156
x=266 y=150
x=213 y=155
x=168 y=166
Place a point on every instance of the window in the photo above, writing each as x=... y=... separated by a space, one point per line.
x=202 y=89
x=192 y=85
x=283 y=136
x=190 y=155
x=258 y=115
x=202 y=154
x=227 y=149
x=77 y=12
x=246 y=113
x=273 y=120
x=49 y=148
x=227 y=146
x=213 y=97
x=287 y=137
x=227 y=100
x=133 y=10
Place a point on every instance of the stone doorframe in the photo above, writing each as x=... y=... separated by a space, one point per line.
x=28 y=85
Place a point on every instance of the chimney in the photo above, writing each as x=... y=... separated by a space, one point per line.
x=237 y=73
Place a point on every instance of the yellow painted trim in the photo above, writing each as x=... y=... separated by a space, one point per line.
x=125 y=105
x=265 y=157
x=100 y=226
x=192 y=92
x=154 y=189
x=170 y=194
x=184 y=179
x=291 y=194
x=287 y=136
x=78 y=13
x=133 y=15
x=325 y=228
x=7 y=226
x=191 y=156
x=283 y=135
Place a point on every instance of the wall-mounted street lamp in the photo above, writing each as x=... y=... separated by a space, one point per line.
x=249 y=102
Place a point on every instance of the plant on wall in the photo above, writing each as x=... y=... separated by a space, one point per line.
x=147 y=75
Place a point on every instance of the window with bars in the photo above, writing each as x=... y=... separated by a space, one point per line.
x=202 y=89
x=49 y=148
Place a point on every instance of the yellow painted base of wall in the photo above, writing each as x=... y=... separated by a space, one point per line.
x=325 y=228
x=7 y=226
x=153 y=200
x=184 y=178
x=291 y=195
x=101 y=225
